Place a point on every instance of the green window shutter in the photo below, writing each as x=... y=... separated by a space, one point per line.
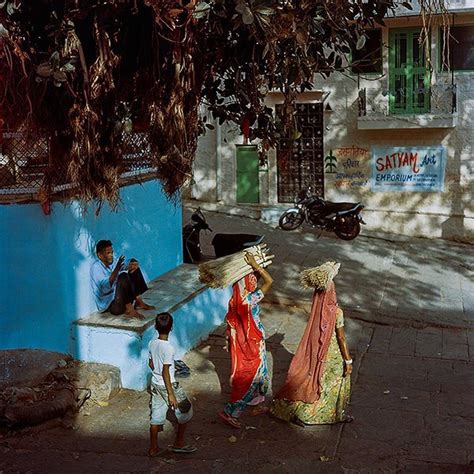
x=409 y=78
x=420 y=79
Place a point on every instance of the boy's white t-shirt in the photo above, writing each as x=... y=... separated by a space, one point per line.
x=161 y=353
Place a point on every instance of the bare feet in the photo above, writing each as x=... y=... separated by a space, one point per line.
x=143 y=305
x=234 y=422
x=133 y=313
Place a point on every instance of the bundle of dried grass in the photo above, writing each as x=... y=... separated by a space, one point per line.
x=225 y=271
x=319 y=277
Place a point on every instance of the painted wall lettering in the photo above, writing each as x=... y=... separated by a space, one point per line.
x=408 y=169
x=353 y=167
x=398 y=160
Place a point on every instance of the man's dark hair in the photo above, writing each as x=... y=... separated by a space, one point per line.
x=164 y=323
x=102 y=245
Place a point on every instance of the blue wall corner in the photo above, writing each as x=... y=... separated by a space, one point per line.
x=46 y=260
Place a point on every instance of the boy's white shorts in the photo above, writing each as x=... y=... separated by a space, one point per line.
x=159 y=404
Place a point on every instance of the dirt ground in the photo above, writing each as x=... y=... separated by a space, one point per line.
x=409 y=310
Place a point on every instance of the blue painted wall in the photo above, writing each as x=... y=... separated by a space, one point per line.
x=44 y=282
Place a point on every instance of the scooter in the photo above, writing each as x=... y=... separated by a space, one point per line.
x=343 y=218
x=224 y=244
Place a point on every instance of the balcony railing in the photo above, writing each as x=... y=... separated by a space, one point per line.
x=384 y=108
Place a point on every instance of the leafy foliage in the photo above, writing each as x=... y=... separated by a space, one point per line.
x=84 y=71
x=277 y=45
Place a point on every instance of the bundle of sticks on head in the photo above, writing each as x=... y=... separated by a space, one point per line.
x=226 y=271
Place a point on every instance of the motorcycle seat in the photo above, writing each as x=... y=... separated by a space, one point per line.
x=341 y=206
x=226 y=244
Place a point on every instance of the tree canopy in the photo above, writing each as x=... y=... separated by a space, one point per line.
x=85 y=71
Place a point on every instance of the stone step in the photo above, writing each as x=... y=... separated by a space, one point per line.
x=242 y=210
x=26 y=369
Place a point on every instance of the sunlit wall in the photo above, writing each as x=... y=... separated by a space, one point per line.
x=44 y=282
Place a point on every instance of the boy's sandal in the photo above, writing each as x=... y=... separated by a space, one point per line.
x=230 y=420
x=184 y=449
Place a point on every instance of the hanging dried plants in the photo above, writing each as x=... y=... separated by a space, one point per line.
x=174 y=121
x=85 y=71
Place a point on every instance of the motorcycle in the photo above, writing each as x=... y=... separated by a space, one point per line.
x=224 y=244
x=341 y=217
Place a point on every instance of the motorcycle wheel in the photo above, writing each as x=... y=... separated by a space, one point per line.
x=290 y=220
x=347 y=228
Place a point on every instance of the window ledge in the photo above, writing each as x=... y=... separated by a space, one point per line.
x=380 y=121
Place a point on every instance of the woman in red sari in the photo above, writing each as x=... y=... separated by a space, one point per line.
x=246 y=335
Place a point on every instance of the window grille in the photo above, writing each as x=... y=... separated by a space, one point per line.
x=300 y=162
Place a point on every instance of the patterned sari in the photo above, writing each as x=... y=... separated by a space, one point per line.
x=315 y=391
x=249 y=377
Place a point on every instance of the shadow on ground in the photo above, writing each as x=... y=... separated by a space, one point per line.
x=413 y=414
x=409 y=308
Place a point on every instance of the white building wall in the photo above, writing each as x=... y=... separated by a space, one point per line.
x=204 y=187
x=448 y=214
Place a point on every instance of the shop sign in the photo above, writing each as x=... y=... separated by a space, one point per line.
x=412 y=169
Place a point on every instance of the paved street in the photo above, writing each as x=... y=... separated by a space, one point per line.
x=409 y=309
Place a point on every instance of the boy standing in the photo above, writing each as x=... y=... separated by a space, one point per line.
x=165 y=391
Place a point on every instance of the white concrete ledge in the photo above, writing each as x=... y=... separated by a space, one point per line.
x=123 y=342
x=167 y=293
x=384 y=122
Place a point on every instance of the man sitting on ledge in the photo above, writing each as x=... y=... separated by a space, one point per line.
x=116 y=288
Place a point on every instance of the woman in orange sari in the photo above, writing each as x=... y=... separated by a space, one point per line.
x=246 y=335
x=317 y=388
